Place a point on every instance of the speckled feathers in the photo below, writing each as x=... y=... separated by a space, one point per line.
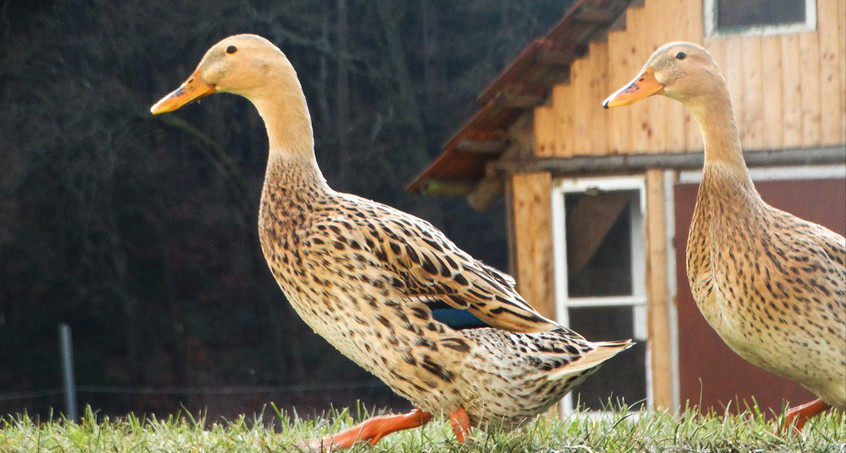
x=366 y=277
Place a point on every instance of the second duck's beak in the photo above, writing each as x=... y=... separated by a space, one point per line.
x=194 y=88
x=642 y=86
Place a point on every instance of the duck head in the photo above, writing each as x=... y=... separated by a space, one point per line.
x=678 y=70
x=240 y=64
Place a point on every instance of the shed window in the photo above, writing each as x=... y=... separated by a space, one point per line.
x=759 y=16
x=600 y=281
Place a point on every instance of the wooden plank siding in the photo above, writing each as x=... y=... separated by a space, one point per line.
x=545 y=126
x=531 y=201
x=752 y=96
x=658 y=317
x=641 y=21
x=832 y=78
x=581 y=76
x=773 y=102
x=675 y=129
x=841 y=31
x=809 y=49
x=565 y=107
x=730 y=56
x=692 y=31
x=787 y=89
x=621 y=53
x=595 y=94
x=791 y=86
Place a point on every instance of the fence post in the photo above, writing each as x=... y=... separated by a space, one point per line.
x=66 y=347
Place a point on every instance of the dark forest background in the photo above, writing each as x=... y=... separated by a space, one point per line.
x=140 y=231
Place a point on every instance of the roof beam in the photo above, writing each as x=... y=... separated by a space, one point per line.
x=485 y=193
x=447 y=187
x=514 y=98
x=602 y=12
x=489 y=146
x=633 y=163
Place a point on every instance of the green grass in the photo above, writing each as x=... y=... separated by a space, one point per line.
x=275 y=431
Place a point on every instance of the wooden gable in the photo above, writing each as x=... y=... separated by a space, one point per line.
x=788 y=91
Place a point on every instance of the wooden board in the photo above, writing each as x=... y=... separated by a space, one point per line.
x=544 y=126
x=580 y=77
x=695 y=33
x=653 y=36
x=620 y=72
x=841 y=33
x=832 y=91
x=675 y=129
x=752 y=97
x=792 y=91
x=532 y=219
x=639 y=24
x=732 y=65
x=809 y=51
x=772 y=94
x=658 y=320
x=596 y=93
x=565 y=112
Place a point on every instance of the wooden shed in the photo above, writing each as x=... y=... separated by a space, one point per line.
x=599 y=201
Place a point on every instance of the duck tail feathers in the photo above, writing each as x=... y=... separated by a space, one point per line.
x=601 y=352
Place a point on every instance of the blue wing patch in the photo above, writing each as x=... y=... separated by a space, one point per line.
x=455 y=318
x=458 y=319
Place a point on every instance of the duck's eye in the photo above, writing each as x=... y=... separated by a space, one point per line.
x=680 y=56
x=231 y=49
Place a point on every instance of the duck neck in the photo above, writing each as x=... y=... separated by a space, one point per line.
x=725 y=178
x=282 y=106
x=713 y=113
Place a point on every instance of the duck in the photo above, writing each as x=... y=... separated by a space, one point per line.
x=772 y=285
x=390 y=291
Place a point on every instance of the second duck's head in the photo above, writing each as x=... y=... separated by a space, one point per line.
x=678 y=70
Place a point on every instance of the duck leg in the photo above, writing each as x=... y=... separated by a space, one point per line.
x=797 y=416
x=460 y=422
x=370 y=430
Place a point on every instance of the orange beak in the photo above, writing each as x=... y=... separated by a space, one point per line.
x=642 y=86
x=194 y=88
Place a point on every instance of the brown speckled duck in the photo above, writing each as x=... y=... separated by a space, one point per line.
x=772 y=285
x=388 y=289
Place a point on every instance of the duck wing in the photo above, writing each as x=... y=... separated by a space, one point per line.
x=811 y=260
x=429 y=269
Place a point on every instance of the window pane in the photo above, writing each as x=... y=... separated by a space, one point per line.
x=599 y=245
x=749 y=13
x=625 y=373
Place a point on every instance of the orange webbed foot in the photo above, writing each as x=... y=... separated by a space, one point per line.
x=460 y=422
x=371 y=430
x=797 y=416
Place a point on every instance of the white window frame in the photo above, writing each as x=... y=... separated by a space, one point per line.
x=638 y=299
x=711 y=28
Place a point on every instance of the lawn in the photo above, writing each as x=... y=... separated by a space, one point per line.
x=275 y=431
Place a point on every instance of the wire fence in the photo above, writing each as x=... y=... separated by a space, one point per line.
x=222 y=399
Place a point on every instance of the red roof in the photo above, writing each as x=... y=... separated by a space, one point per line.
x=523 y=85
